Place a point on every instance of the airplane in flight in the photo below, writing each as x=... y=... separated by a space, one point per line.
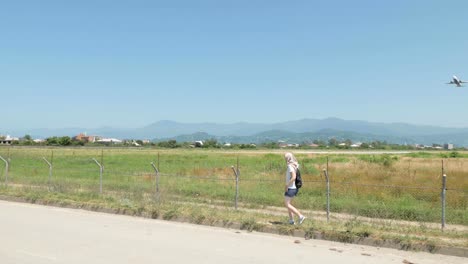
x=456 y=81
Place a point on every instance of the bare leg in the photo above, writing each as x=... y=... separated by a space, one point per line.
x=291 y=209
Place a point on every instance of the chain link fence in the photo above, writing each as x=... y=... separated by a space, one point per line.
x=412 y=190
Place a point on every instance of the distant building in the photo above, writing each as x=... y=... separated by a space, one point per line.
x=5 y=142
x=288 y=145
x=448 y=146
x=8 y=140
x=85 y=138
x=109 y=140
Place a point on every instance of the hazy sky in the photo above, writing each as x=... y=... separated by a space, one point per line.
x=131 y=63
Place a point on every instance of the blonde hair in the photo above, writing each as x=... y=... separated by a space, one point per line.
x=291 y=160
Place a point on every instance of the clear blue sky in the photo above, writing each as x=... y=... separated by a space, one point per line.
x=131 y=63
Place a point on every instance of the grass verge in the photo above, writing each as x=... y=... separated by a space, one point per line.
x=420 y=238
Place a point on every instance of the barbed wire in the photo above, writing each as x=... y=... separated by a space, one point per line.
x=128 y=173
x=59 y=171
x=385 y=186
x=196 y=177
x=457 y=190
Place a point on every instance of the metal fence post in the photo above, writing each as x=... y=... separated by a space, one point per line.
x=101 y=168
x=443 y=194
x=237 y=173
x=6 y=170
x=50 y=171
x=325 y=171
x=156 y=180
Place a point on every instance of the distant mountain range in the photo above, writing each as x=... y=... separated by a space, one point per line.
x=292 y=131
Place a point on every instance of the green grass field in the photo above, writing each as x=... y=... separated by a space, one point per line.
x=405 y=187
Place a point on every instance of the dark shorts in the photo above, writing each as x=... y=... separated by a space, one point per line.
x=291 y=192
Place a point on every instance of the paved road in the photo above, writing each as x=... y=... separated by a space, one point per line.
x=40 y=234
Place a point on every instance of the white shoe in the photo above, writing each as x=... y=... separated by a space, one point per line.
x=291 y=222
x=301 y=219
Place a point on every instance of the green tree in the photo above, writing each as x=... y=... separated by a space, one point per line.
x=65 y=141
x=320 y=142
x=270 y=145
x=247 y=146
x=211 y=143
x=332 y=142
x=78 y=143
x=168 y=144
x=52 y=141
x=27 y=140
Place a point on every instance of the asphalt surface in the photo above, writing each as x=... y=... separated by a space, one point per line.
x=40 y=234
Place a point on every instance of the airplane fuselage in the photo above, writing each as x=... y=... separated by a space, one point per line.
x=456 y=81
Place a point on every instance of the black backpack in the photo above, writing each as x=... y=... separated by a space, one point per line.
x=298 y=181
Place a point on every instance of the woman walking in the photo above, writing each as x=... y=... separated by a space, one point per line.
x=290 y=189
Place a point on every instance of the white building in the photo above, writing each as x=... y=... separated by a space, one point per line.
x=8 y=140
x=109 y=140
x=448 y=146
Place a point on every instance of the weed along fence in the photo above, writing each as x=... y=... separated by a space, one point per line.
x=405 y=187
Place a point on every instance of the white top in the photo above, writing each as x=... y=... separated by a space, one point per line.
x=288 y=177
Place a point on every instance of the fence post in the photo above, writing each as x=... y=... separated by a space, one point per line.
x=236 y=173
x=6 y=170
x=156 y=180
x=101 y=168
x=325 y=171
x=443 y=194
x=50 y=171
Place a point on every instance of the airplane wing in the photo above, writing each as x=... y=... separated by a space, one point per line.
x=450 y=83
